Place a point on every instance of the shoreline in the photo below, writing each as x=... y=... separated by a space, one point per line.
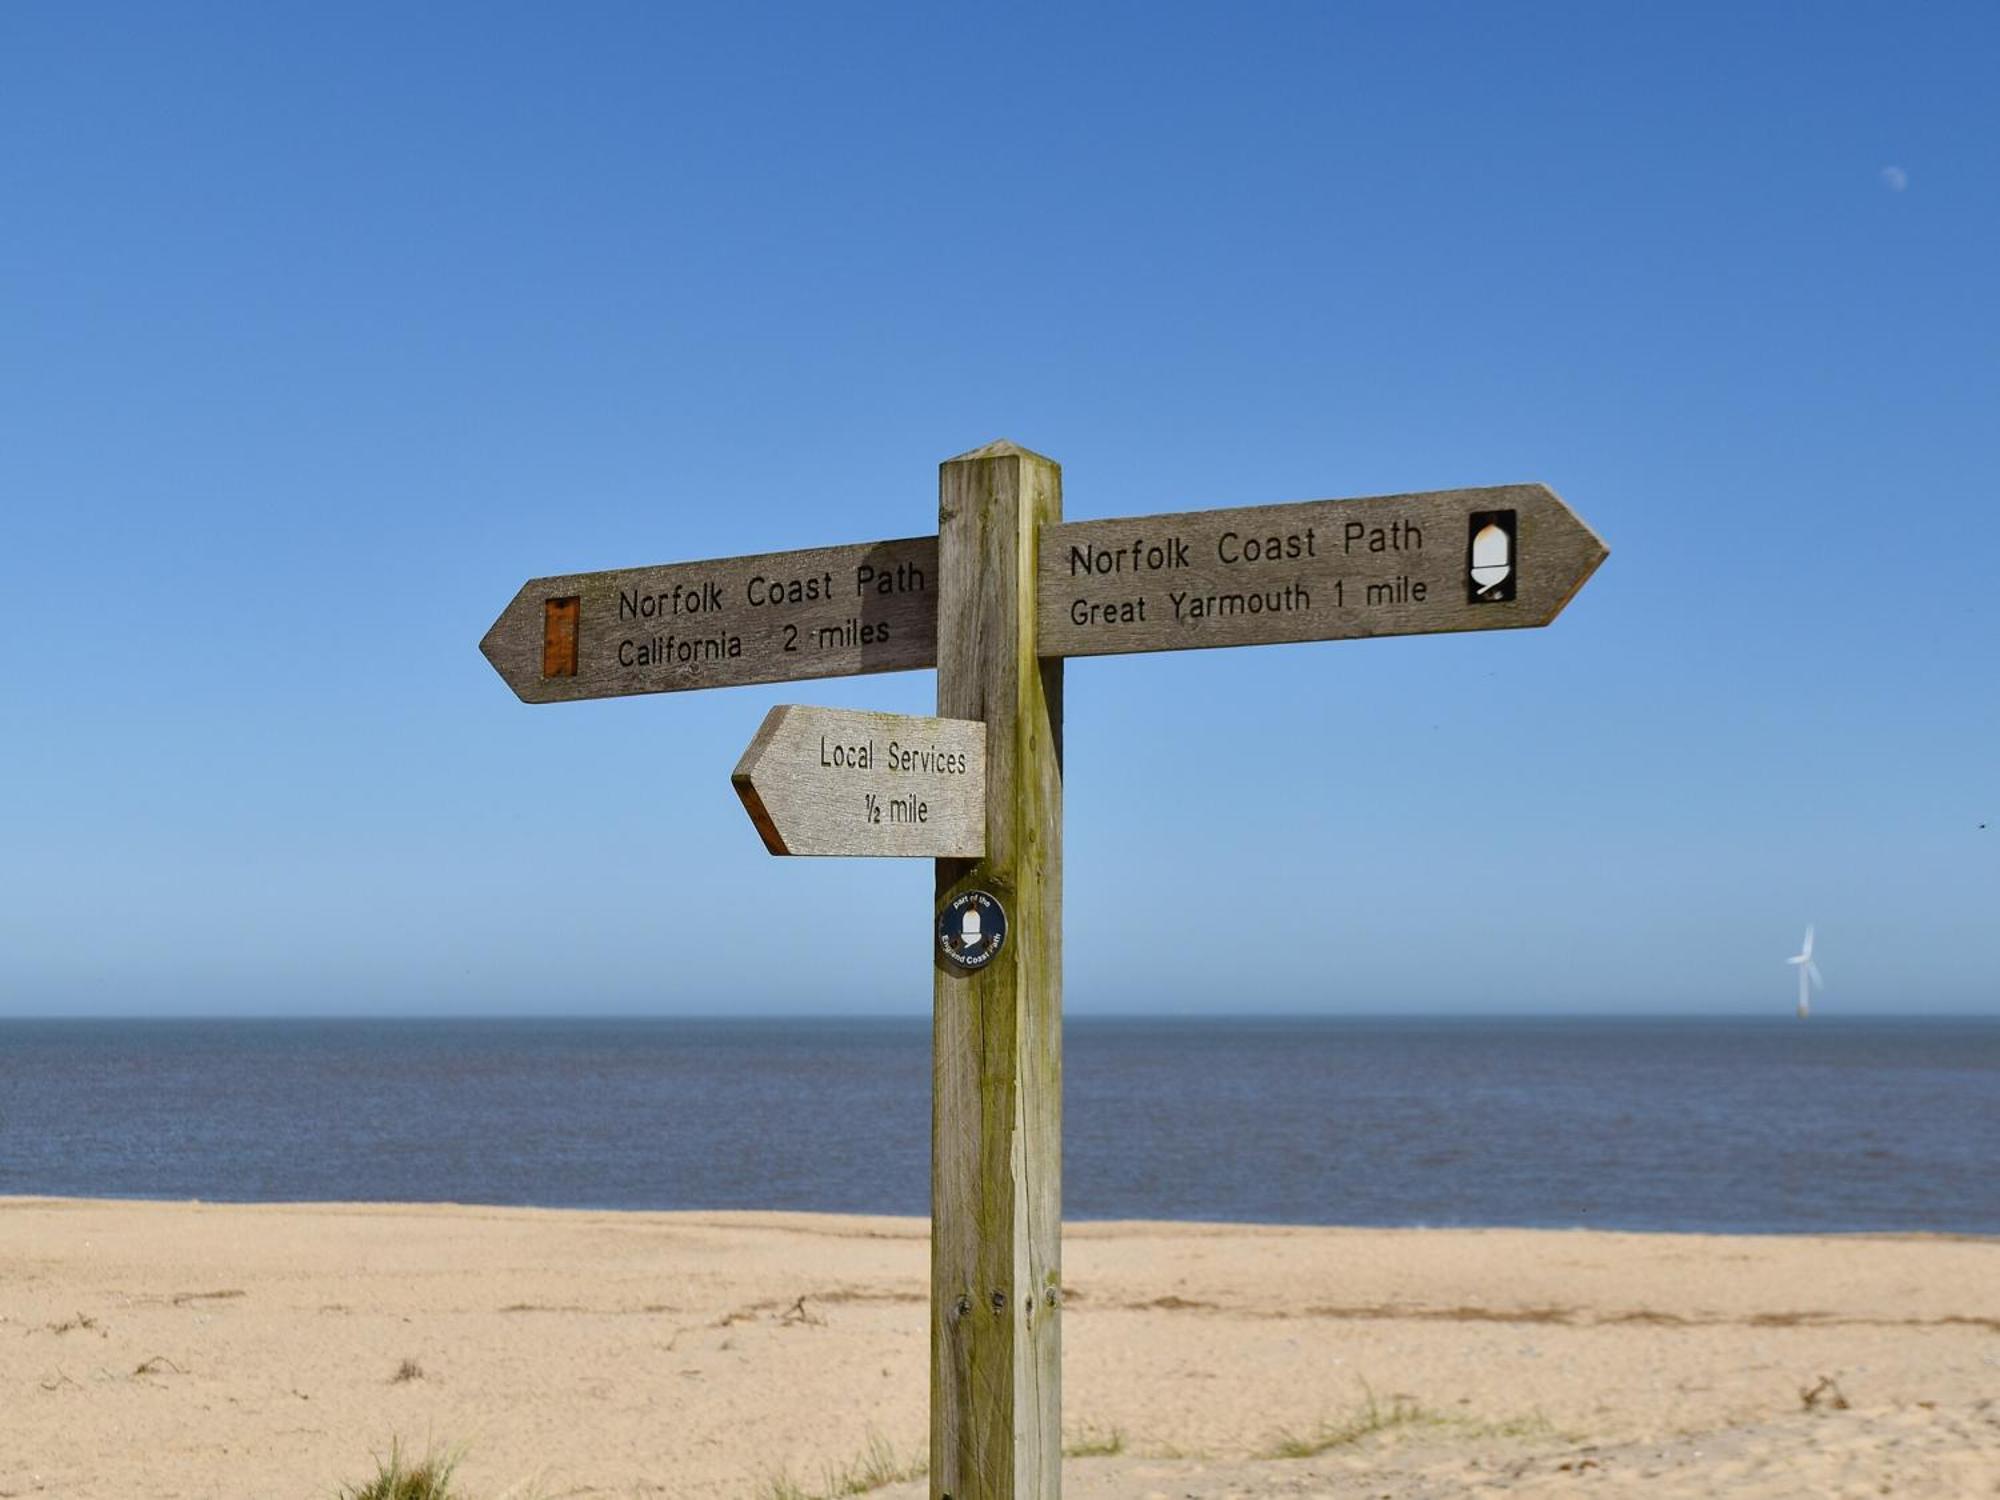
x=12 y=1200
x=195 y=1349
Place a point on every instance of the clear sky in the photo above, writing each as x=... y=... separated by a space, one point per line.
x=324 y=327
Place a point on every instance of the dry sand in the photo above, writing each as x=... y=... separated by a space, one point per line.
x=205 y=1351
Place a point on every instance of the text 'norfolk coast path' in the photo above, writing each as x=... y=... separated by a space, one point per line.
x=1497 y=558
x=1317 y=570
x=770 y=617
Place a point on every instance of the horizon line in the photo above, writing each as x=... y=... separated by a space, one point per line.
x=1775 y=1017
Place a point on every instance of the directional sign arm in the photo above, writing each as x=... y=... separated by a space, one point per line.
x=1500 y=558
x=1504 y=557
x=773 y=617
x=843 y=781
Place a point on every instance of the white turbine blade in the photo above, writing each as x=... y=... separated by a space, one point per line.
x=1798 y=958
x=1812 y=970
x=1807 y=951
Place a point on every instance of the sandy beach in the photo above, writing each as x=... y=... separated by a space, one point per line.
x=191 y=1350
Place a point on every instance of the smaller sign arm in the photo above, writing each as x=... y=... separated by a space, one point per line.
x=843 y=781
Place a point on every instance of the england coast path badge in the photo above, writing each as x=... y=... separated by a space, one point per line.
x=971 y=928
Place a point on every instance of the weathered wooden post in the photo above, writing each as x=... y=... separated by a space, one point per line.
x=996 y=1063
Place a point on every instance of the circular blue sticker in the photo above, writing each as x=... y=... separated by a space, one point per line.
x=970 y=930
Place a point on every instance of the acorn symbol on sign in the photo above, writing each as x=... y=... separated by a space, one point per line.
x=1490 y=561
x=970 y=930
x=1490 y=564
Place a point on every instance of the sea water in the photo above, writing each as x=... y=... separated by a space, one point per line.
x=1686 y=1124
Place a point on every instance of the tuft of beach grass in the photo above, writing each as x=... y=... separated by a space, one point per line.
x=878 y=1466
x=1094 y=1442
x=1367 y=1419
x=1373 y=1416
x=399 y=1478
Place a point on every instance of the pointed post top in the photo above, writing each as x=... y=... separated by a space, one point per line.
x=1000 y=448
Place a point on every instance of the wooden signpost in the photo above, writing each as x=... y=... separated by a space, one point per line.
x=995 y=601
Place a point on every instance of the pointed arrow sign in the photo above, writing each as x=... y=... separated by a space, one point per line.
x=773 y=617
x=1318 y=570
x=841 y=781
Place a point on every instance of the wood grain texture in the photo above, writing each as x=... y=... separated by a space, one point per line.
x=840 y=781
x=996 y=1126
x=1381 y=565
x=770 y=617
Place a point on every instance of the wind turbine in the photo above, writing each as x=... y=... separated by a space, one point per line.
x=1808 y=974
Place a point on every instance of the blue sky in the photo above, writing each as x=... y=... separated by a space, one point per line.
x=324 y=327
